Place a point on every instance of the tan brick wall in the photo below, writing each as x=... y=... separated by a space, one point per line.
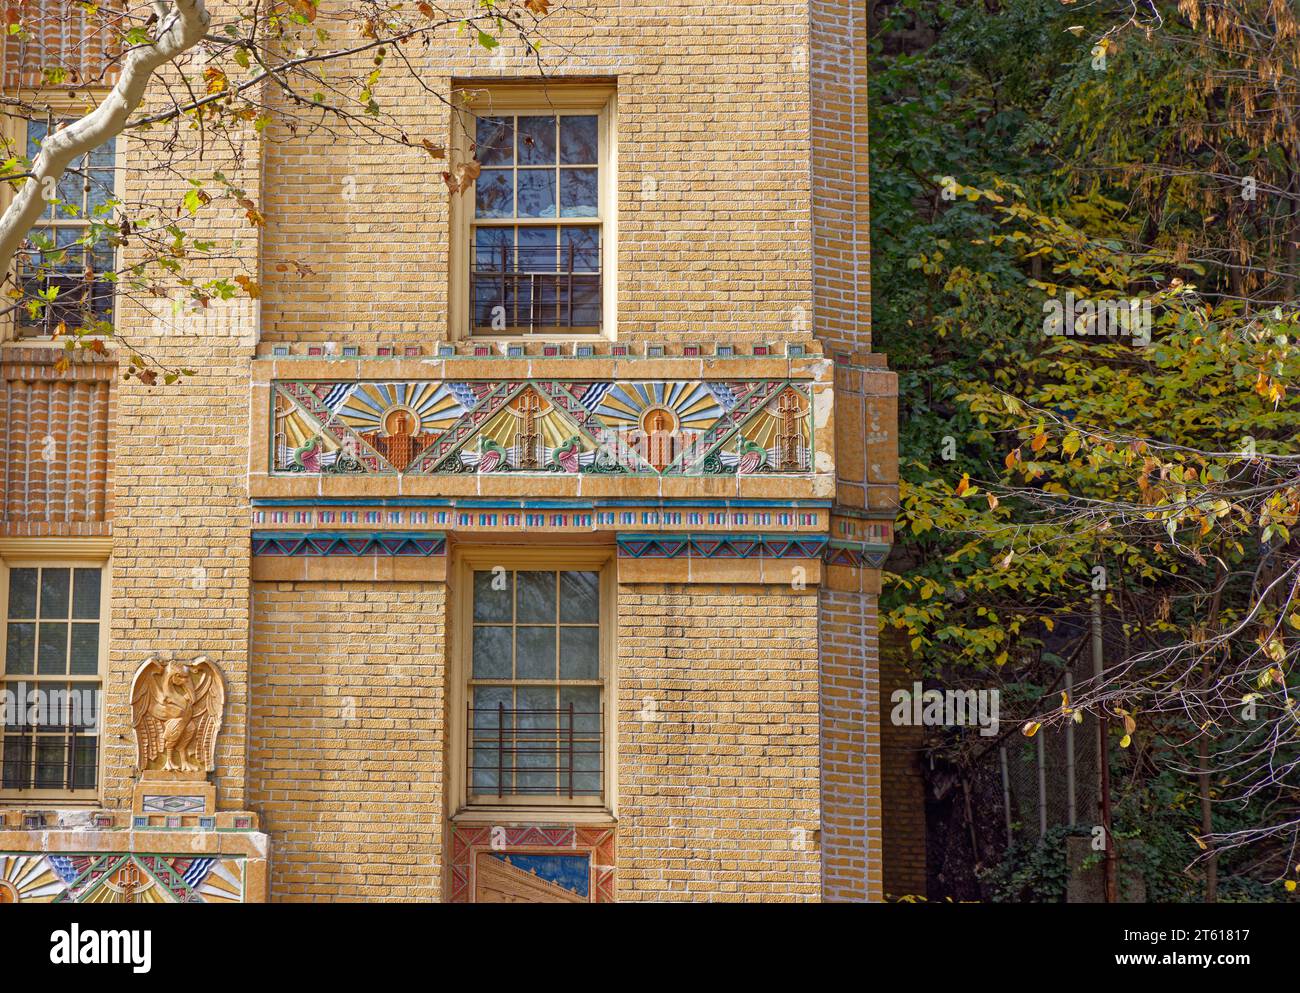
x=718 y=798
x=180 y=567
x=841 y=211
x=903 y=789
x=712 y=117
x=851 y=815
x=346 y=734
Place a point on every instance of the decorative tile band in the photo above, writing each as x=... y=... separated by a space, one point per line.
x=172 y=804
x=321 y=543
x=856 y=555
x=720 y=546
x=121 y=878
x=479 y=427
x=550 y=863
x=471 y=515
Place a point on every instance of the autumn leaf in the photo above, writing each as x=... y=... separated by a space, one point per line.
x=307 y=8
x=215 y=80
x=1012 y=458
x=435 y=151
x=1031 y=728
x=255 y=216
x=538 y=7
x=1039 y=441
x=460 y=178
x=248 y=286
x=993 y=501
x=964 y=485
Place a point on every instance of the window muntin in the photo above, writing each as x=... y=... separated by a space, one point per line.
x=535 y=687
x=535 y=237
x=51 y=679
x=63 y=253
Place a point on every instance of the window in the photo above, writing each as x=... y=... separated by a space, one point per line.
x=537 y=225
x=68 y=252
x=51 y=679
x=535 y=699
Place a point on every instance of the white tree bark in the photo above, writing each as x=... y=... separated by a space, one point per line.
x=181 y=25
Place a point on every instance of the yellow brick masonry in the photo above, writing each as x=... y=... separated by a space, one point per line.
x=742 y=218
x=346 y=736
x=714 y=198
x=718 y=743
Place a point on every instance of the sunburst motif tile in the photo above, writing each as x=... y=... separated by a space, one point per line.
x=641 y=427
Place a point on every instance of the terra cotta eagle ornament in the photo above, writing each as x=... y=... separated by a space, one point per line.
x=176 y=710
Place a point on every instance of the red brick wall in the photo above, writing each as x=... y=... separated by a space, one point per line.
x=55 y=433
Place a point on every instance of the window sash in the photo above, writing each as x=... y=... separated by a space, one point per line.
x=518 y=754
x=78 y=300
x=77 y=745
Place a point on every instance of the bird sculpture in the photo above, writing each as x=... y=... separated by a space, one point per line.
x=491 y=456
x=752 y=457
x=308 y=456
x=566 y=455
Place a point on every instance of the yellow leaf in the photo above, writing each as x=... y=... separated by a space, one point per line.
x=1071 y=443
x=1012 y=458
x=993 y=502
x=1031 y=728
x=1290 y=885
x=1125 y=741
x=964 y=485
x=1039 y=441
x=215 y=79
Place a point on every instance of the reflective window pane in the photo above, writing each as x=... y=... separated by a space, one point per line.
x=17 y=761
x=580 y=597
x=579 y=653
x=535 y=652
x=492 y=652
x=579 y=144
x=85 y=650
x=494 y=193
x=20 y=649
x=52 y=650
x=55 y=586
x=582 y=246
x=51 y=762
x=537 y=141
x=536 y=193
x=536 y=599
x=85 y=762
x=22 y=593
x=492 y=595
x=495 y=141
x=537 y=249
x=85 y=594
x=579 y=195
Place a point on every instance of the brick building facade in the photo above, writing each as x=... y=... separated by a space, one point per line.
x=535 y=548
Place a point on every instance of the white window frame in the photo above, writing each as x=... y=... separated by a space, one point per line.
x=461 y=626
x=14 y=130
x=63 y=553
x=491 y=100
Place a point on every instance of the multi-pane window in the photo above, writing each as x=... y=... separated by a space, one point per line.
x=65 y=261
x=535 y=258
x=536 y=687
x=51 y=679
